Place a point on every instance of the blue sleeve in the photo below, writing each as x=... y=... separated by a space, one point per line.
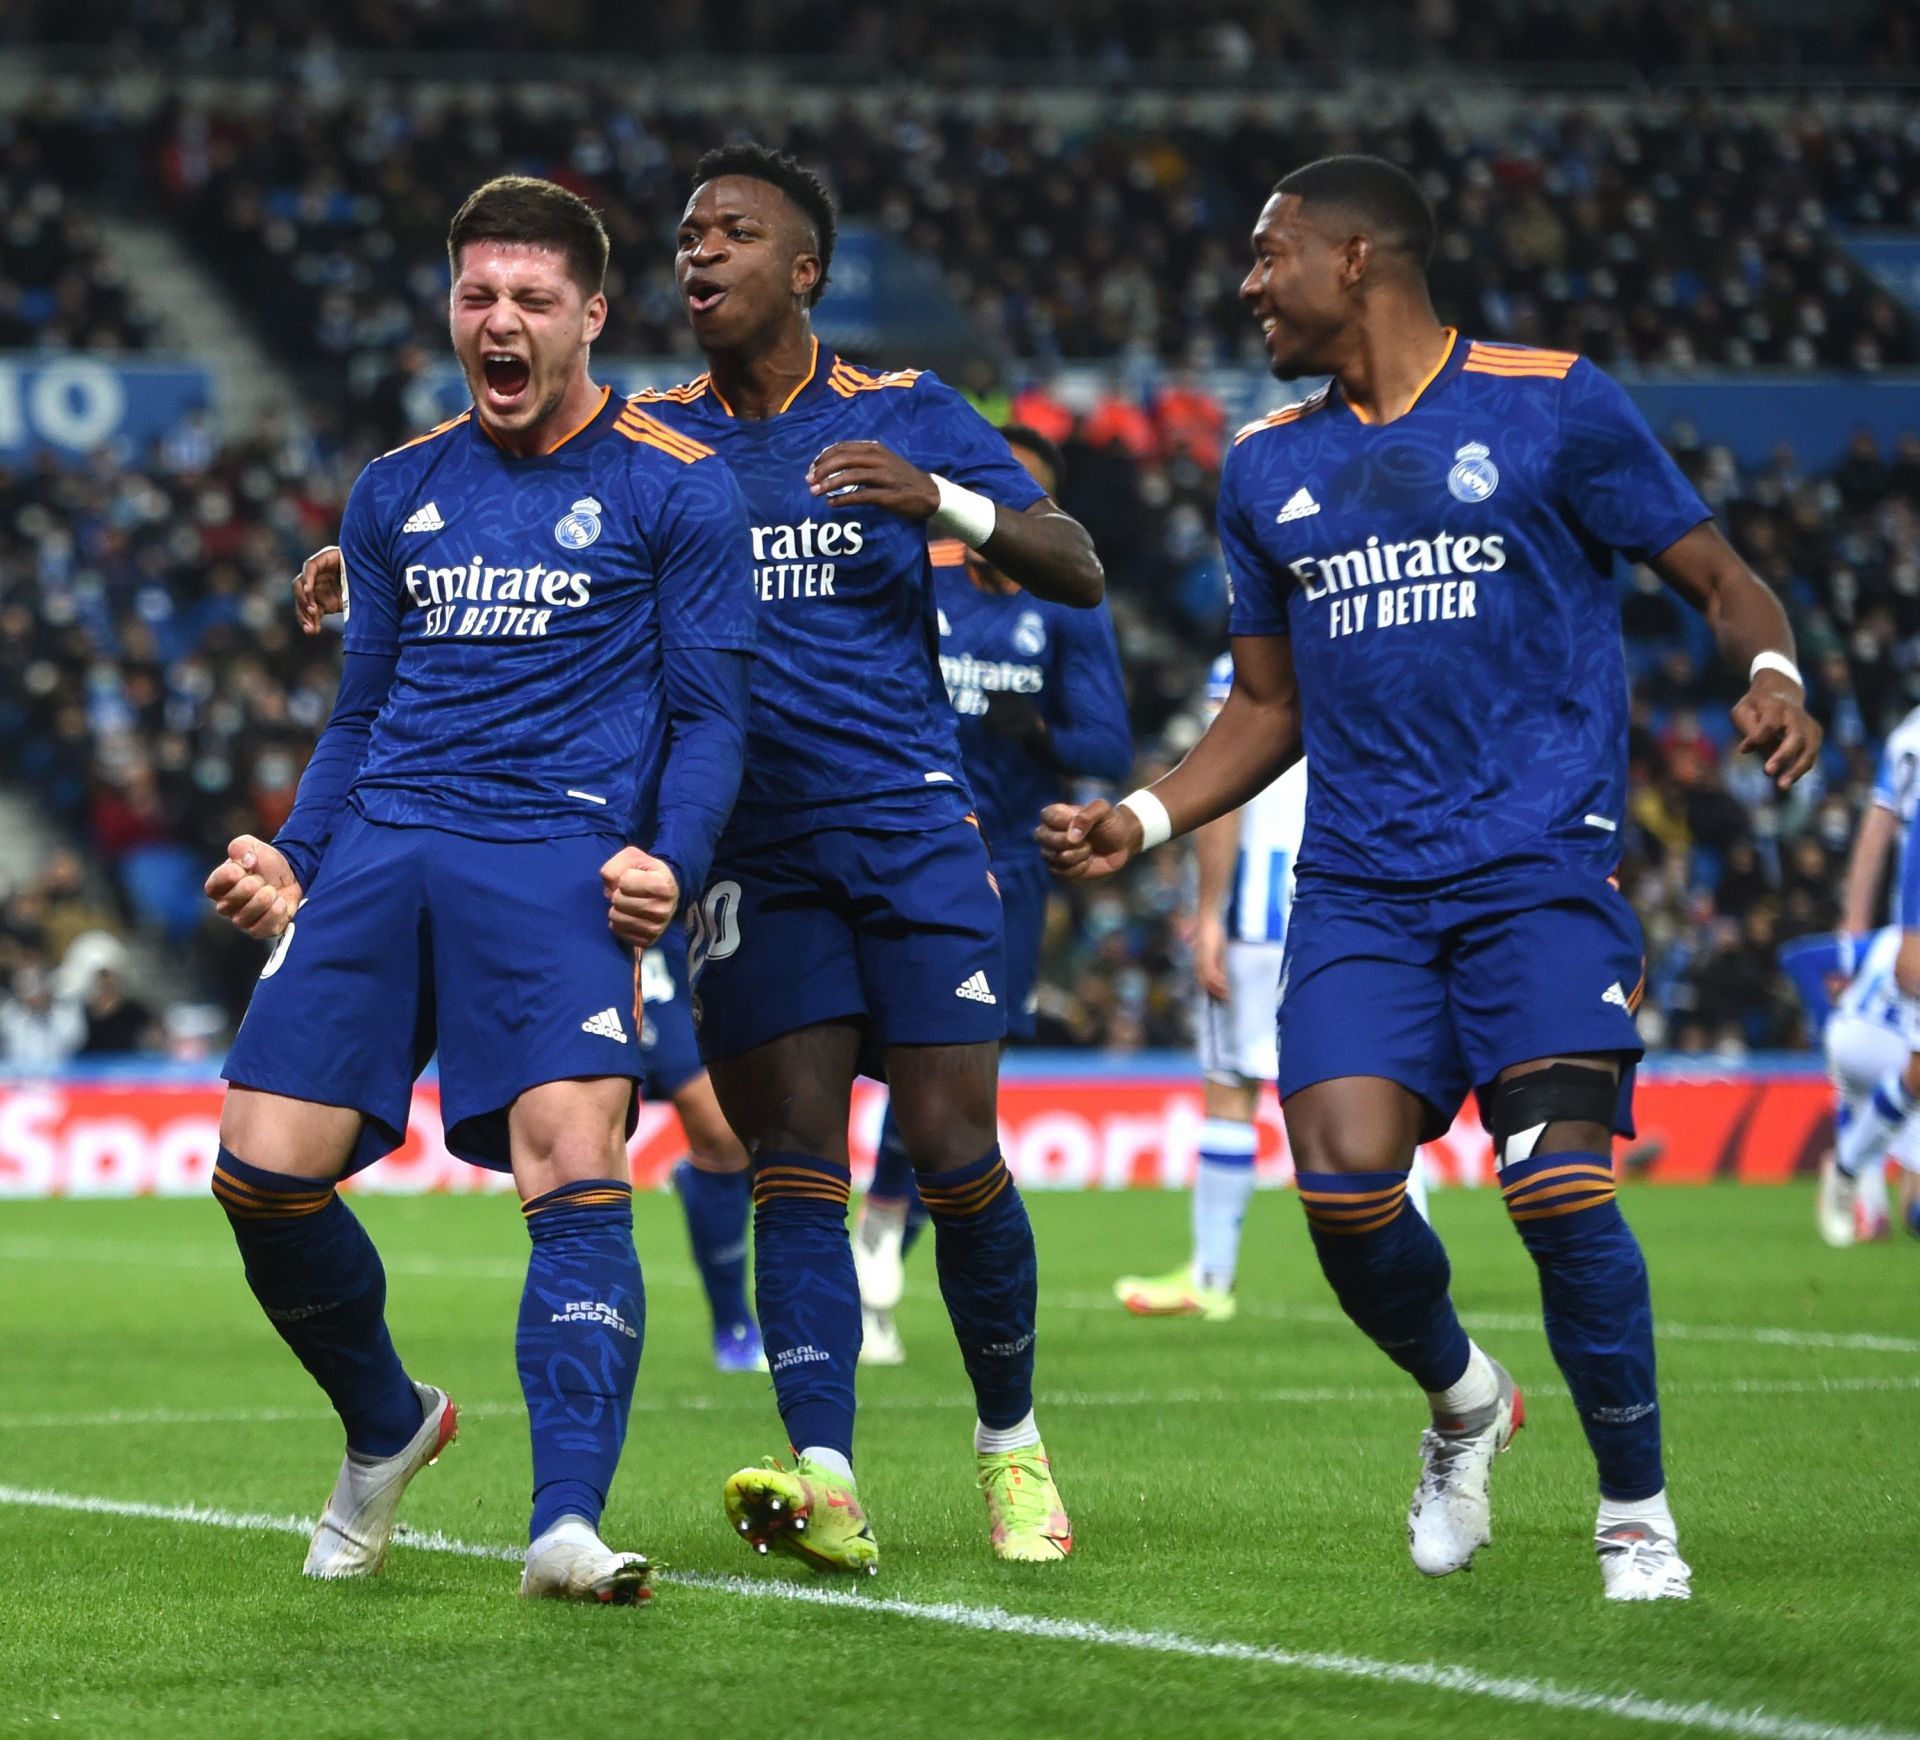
x=372 y=578
x=1906 y=911
x=1258 y=587
x=952 y=438
x=1619 y=483
x=365 y=679
x=1884 y=792
x=707 y=691
x=701 y=549
x=1090 y=735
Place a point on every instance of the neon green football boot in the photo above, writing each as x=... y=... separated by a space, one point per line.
x=1023 y=1504
x=807 y=1512
x=1176 y=1295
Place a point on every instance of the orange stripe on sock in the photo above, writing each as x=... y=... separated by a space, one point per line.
x=1547 y=1174
x=1560 y=1208
x=1384 y=1218
x=989 y=1191
x=1353 y=1196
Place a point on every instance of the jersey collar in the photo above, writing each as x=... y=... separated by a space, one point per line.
x=1449 y=365
x=809 y=389
x=603 y=413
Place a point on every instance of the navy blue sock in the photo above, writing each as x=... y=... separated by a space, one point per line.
x=583 y=1320
x=1598 y=1311
x=808 y=1295
x=893 y=1179
x=990 y=1279
x=716 y=1205
x=319 y=1280
x=1388 y=1269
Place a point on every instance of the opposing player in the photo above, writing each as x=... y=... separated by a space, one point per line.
x=547 y=652
x=1422 y=557
x=711 y=1180
x=1874 y=1121
x=850 y=919
x=1039 y=698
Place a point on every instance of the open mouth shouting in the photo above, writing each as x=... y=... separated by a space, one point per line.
x=507 y=378
x=704 y=294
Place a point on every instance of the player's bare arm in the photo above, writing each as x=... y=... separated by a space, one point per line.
x=254 y=889
x=1253 y=739
x=1878 y=830
x=1747 y=620
x=1043 y=549
x=1215 y=846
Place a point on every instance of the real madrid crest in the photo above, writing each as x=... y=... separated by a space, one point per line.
x=1474 y=476
x=581 y=526
x=1030 y=634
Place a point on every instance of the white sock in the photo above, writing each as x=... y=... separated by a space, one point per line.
x=997 y=1440
x=1477 y=1388
x=1222 y=1188
x=829 y=1461
x=1652 y=1511
x=1869 y=1131
x=1417 y=1186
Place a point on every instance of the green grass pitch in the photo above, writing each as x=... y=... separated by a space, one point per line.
x=1239 y=1494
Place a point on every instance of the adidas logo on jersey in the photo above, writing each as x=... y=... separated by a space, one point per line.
x=425 y=519
x=976 y=990
x=1613 y=994
x=606 y=1024
x=1299 y=506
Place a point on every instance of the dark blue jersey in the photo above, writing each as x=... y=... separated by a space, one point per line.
x=530 y=602
x=1038 y=695
x=849 y=725
x=1447 y=581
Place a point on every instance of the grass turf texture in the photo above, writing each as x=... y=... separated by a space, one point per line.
x=1243 y=1482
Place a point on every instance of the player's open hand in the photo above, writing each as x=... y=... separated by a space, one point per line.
x=255 y=888
x=642 y=896
x=1773 y=721
x=1091 y=840
x=1210 y=956
x=321 y=589
x=854 y=474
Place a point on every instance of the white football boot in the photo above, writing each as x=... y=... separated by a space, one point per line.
x=880 y=1342
x=880 y=1266
x=1451 y=1517
x=1836 y=1205
x=570 y=1562
x=353 y=1532
x=1639 y=1563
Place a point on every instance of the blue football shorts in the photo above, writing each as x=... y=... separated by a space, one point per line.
x=494 y=954
x=901 y=932
x=1440 y=989
x=1024 y=883
x=663 y=1016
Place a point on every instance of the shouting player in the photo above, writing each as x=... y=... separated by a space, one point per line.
x=548 y=642
x=850 y=920
x=1423 y=598
x=1038 y=698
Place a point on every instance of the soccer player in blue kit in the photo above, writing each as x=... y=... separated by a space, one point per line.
x=850 y=919
x=1038 y=697
x=547 y=649
x=1423 y=596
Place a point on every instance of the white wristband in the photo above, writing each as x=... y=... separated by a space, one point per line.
x=1156 y=826
x=1773 y=661
x=962 y=513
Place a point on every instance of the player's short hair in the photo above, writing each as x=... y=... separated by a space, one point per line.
x=1381 y=196
x=540 y=214
x=805 y=191
x=1019 y=435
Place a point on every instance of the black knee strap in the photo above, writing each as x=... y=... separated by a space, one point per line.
x=1523 y=1106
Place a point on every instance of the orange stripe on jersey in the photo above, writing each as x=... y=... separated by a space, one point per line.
x=638 y=426
x=1518 y=360
x=947 y=553
x=1521 y=352
x=1286 y=414
x=437 y=430
x=684 y=394
x=846 y=380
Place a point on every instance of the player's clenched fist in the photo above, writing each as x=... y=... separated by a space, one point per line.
x=641 y=896
x=254 y=888
x=321 y=588
x=1094 y=839
x=1772 y=718
x=865 y=474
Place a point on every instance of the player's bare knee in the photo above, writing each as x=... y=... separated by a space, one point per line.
x=1353 y=1124
x=945 y=1102
x=1231 y=1097
x=296 y=1138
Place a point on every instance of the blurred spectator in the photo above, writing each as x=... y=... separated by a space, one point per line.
x=117 y=1023
x=37 y=1029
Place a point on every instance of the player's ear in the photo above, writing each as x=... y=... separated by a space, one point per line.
x=1356 y=257
x=596 y=315
x=806 y=274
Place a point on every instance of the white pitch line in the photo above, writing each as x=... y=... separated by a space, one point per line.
x=509 y=1269
x=756 y=1402
x=1469 y=1682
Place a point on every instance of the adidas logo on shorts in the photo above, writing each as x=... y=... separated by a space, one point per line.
x=976 y=990
x=425 y=519
x=606 y=1024
x=1613 y=994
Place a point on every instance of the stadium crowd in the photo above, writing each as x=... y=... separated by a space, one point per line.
x=1112 y=38
x=1678 y=238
